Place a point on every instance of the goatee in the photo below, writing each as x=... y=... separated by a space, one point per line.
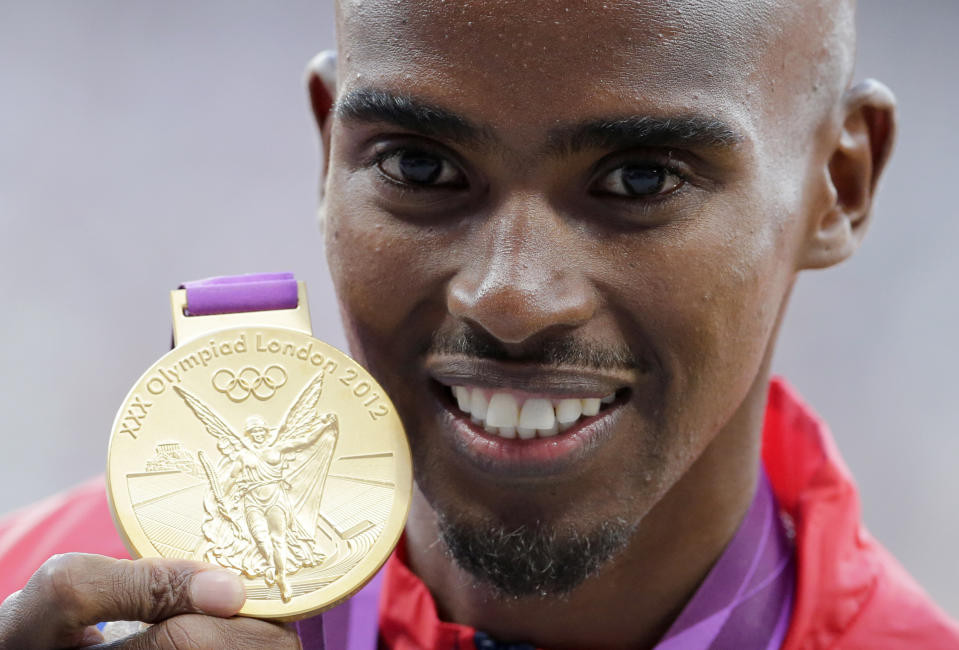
x=532 y=560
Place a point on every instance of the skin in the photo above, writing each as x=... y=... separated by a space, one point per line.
x=523 y=250
x=189 y=603
x=526 y=251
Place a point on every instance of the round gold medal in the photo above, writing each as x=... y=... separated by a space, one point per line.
x=265 y=451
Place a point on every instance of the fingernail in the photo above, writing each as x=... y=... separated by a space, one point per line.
x=219 y=593
x=91 y=636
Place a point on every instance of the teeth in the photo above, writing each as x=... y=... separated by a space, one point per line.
x=526 y=434
x=568 y=411
x=591 y=406
x=478 y=405
x=547 y=433
x=462 y=398
x=508 y=417
x=537 y=414
x=503 y=411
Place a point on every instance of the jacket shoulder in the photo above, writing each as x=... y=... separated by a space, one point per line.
x=898 y=613
x=77 y=520
x=851 y=593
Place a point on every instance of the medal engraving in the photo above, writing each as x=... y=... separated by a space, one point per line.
x=262 y=505
x=249 y=382
x=267 y=452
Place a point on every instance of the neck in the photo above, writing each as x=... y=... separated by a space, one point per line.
x=673 y=549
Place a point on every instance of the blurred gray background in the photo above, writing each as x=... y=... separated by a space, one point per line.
x=145 y=143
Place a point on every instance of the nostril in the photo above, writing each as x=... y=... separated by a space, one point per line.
x=514 y=314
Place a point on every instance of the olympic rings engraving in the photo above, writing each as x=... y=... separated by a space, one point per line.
x=249 y=381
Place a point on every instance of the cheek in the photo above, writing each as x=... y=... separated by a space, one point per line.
x=363 y=263
x=390 y=277
x=741 y=299
x=379 y=268
x=709 y=304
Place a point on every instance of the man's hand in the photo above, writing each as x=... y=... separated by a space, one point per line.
x=190 y=604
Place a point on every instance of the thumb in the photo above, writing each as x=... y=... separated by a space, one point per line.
x=70 y=592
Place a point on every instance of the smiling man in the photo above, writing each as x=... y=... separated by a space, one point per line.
x=563 y=237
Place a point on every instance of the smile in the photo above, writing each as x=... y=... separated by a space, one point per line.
x=521 y=420
x=512 y=415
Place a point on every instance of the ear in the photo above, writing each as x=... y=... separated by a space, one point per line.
x=321 y=84
x=860 y=154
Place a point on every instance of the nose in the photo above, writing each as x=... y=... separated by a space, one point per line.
x=521 y=280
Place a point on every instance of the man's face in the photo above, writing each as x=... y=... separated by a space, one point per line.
x=562 y=202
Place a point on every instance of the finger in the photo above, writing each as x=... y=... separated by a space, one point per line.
x=70 y=592
x=197 y=632
x=11 y=597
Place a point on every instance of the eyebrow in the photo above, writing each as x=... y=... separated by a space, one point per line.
x=404 y=111
x=695 y=131
x=371 y=105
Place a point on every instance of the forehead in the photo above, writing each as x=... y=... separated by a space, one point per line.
x=523 y=62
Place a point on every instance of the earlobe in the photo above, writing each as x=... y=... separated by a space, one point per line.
x=321 y=84
x=861 y=151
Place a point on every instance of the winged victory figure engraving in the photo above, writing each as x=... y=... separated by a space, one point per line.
x=262 y=508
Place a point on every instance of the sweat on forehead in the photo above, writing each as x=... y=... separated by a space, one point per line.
x=689 y=44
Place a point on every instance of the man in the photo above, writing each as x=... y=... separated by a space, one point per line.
x=588 y=202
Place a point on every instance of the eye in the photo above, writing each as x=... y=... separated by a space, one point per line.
x=639 y=181
x=412 y=167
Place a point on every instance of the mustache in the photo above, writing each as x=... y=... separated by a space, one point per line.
x=565 y=351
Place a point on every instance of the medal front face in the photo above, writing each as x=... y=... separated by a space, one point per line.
x=265 y=451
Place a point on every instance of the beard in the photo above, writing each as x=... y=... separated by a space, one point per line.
x=532 y=560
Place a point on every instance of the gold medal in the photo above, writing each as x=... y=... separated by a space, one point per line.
x=254 y=446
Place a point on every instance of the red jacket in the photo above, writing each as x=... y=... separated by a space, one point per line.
x=850 y=593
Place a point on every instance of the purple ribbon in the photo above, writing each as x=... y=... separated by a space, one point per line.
x=240 y=293
x=350 y=626
x=746 y=599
